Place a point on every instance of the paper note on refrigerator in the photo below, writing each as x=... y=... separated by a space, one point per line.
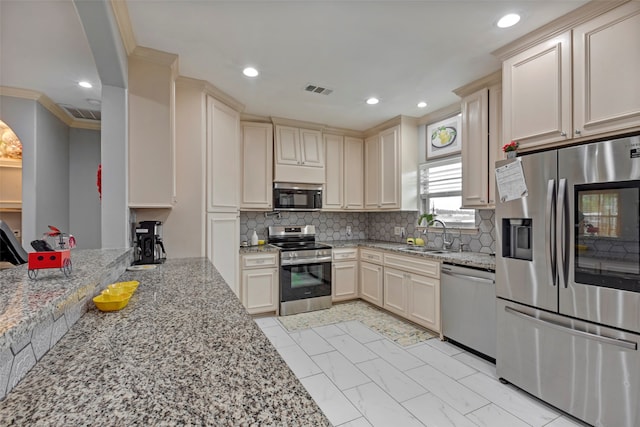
x=510 y=180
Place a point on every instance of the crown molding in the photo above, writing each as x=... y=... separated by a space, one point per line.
x=382 y=126
x=441 y=114
x=253 y=118
x=182 y=81
x=211 y=90
x=224 y=97
x=121 y=13
x=281 y=121
x=481 y=83
x=156 y=56
x=558 y=26
x=343 y=132
x=51 y=106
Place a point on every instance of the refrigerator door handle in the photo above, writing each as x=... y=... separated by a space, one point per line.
x=558 y=326
x=550 y=213
x=561 y=233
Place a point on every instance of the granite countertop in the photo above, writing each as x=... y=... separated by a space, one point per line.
x=469 y=259
x=258 y=249
x=25 y=302
x=184 y=351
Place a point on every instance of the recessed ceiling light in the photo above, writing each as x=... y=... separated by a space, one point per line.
x=85 y=84
x=509 y=20
x=372 y=101
x=250 y=72
x=94 y=101
x=422 y=104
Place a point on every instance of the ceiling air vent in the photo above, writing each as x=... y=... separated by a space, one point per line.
x=317 y=89
x=82 y=113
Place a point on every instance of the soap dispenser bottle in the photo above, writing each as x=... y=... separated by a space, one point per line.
x=254 y=238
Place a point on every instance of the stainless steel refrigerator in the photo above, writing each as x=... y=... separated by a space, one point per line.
x=568 y=281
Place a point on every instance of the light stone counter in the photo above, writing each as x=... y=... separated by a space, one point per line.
x=35 y=314
x=469 y=259
x=183 y=352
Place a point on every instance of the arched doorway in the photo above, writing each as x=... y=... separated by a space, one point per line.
x=10 y=179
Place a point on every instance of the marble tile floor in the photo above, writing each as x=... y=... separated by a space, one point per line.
x=361 y=378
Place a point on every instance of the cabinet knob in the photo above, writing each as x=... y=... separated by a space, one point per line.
x=482 y=201
x=578 y=132
x=563 y=134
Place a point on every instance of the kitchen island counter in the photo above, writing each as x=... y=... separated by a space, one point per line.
x=184 y=351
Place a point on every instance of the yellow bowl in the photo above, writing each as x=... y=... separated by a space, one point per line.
x=111 y=303
x=115 y=294
x=127 y=286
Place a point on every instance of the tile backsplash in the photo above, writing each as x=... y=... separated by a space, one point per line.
x=369 y=225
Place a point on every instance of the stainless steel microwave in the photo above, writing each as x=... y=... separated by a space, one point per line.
x=297 y=197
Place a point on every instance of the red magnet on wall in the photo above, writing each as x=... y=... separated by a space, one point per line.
x=99 y=180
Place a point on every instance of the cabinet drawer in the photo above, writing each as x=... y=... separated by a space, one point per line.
x=371 y=256
x=413 y=265
x=260 y=261
x=347 y=254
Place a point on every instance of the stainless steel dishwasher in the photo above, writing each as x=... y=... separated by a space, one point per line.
x=469 y=307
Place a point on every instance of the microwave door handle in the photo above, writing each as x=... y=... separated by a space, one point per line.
x=550 y=214
x=561 y=233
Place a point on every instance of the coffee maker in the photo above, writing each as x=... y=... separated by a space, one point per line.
x=149 y=246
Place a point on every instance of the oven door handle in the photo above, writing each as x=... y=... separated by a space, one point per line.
x=321 y=260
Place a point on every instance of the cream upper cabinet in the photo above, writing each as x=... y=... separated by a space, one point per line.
x=481 y=119
x=389 y=189
x=372 y=172
x=606 y=72
x=537 y=94
x=353 y=173
x=344 y=185
x=223 y=157
x=299 y=155
x=552 y=96
x=333 y=194
x=151 y=101
x=391 y=168
x=257 y=166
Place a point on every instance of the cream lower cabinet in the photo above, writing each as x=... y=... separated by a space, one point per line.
x=260 y=282
x=223 y=233
x=395 y=291
x=412 y=289
x=344 y=274
x=371 y=276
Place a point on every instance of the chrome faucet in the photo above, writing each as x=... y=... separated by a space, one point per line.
x=446 y=244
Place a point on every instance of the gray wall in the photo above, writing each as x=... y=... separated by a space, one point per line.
x=20 y=115
x=55 y=178
x=84 y=200
x=52 y=172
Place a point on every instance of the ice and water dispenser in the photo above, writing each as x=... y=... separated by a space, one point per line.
x=517 y=238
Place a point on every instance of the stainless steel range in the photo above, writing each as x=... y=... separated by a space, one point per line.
x=305 y=269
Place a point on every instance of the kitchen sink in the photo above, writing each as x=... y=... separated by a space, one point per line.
x=424 y=249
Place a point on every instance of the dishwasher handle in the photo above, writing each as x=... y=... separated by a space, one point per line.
x=467 y=277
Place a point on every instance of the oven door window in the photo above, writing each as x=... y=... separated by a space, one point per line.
x=607 y=235
x=305 y=281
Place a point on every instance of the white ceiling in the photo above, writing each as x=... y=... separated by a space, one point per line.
x=400 y=51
